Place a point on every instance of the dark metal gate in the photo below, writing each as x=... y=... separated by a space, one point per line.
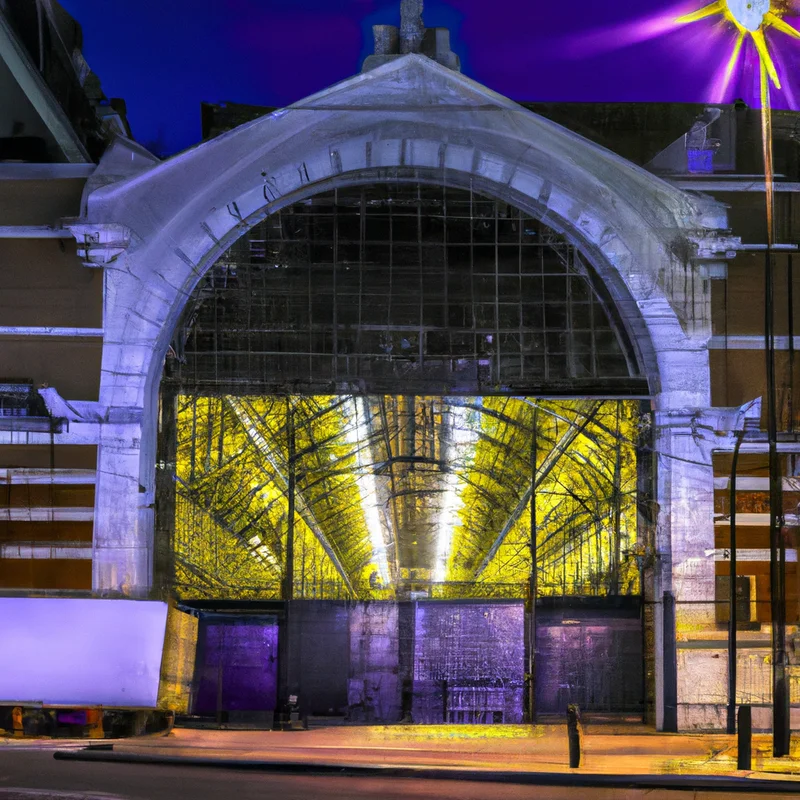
x=236 y=672
x=589 y=652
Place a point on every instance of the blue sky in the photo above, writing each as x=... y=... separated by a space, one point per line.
x=166 y=57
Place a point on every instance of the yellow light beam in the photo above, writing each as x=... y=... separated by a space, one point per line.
x=719 y=7
x=734 y=60
x=766 y=58
x=781 y=24
x=766 y=139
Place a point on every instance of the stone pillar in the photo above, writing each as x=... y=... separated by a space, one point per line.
x=685 y=545
x=122 y=550
x=412 y=29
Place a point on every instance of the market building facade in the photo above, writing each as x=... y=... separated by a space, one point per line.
x=404 y=402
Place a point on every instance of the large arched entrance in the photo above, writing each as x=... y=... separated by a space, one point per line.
x=409 y=410
x=160 y=228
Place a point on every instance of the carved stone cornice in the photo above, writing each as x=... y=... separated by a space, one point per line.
x=714 y=428
x=99 y=244
x=712 y=246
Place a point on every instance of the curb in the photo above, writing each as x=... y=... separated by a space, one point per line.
x=676 y=782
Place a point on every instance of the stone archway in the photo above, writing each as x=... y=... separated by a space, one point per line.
x=157 y=229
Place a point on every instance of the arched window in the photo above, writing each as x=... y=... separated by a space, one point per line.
x=403 y=287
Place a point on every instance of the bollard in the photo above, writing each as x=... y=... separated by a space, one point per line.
x=16 y=722
x=94 y=723
x=574 y=735
x=745 y=739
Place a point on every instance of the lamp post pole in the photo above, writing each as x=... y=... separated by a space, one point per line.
x=284 y=641
x=533 y=586
x=732 y=612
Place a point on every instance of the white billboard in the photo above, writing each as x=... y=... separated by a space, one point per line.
x=81 y=652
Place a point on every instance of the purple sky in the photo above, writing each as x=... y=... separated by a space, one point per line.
x=166 y=56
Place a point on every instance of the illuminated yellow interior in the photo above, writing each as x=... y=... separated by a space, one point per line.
x=585 y=506
x=396 y=495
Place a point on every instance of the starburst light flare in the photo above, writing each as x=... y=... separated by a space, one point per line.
x=751 y=19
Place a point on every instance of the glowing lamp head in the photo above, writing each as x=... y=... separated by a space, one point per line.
x=749 y=13
x=751 y=18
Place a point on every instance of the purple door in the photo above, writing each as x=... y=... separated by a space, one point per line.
x=469 y=662
x=237 y=665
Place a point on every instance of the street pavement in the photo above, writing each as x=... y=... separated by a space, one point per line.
x=29 y=775
x=482 y=752
x=607 y=749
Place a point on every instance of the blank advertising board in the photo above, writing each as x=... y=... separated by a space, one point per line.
x=63 y=651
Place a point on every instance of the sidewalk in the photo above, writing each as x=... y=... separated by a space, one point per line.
x=607 y=750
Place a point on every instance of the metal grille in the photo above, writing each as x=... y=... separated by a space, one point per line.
x=402 y=287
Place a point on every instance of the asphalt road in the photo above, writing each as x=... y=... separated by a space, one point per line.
x=29 y=775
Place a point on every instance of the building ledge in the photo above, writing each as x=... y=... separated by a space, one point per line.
x=47 y=514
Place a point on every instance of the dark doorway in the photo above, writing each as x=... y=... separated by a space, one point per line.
x=590 y=654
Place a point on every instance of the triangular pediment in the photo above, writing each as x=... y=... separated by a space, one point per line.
x=410 y=85
x=410 y=111
x=419 y=85
x=412 y=82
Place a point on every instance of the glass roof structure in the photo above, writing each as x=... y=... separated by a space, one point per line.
x=400 y=496
x=373 y=357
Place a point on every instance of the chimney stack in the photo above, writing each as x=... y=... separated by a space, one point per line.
x=412 y=29
x=411 y=37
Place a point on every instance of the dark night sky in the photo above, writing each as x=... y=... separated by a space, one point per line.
x=166 y=56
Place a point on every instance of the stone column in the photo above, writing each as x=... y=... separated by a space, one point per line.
x=122 y=542
x=387 y=40
x=685 y=545
x=412 y=29
x=122 y=550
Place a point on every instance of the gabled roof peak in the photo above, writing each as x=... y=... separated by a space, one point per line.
x=405 y=82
